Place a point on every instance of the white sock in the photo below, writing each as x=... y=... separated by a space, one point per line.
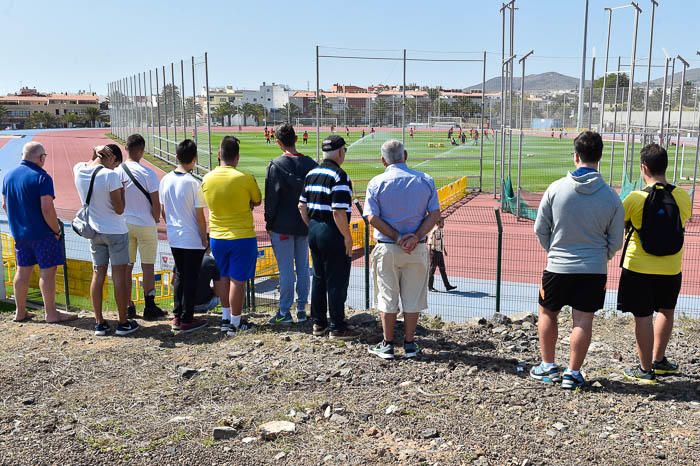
x=236 y=321
x=574 y=373
x=548 y=365
x=225 y=313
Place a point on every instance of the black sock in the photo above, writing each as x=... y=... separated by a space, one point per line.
x=390 y=342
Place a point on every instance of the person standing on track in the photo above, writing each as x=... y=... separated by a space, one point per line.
x=27 y=197
x=142 y=214
x=231 y=196
x=284 y=183
x=325 y=206
x=183 y=211
x=580 y=223
x=402 y=206
x=436 y=245
x=98 y=180
x=652 y=258
x=305 y=137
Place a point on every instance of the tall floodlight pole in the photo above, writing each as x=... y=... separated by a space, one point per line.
x=520 y=140
x=654 y=4
x=605 y=73
x=663 y=100
x=670 y=98
x=680 y=115
x=590 y=99
x=614 y=127
x=695 y=169
x=511 y=76
x=481 y=146
x=403 y=102
x=503 y=93
x=583 y=70
x=318 y=110
x=633 y=63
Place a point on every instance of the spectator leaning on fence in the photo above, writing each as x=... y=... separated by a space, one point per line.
x=111 y=242
x=231 y=196
x=27 y=197
x=580 y=224
x=325 y=207
x=651 y=269
x=402 y=205
x=288 y=232
x=142 y=213
x=183 y=210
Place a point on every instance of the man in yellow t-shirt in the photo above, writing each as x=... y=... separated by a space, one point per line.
x=651 y=283
x=230 y=196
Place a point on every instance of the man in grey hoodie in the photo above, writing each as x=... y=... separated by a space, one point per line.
x=580 y=223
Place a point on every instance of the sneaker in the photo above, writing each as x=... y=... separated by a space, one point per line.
x=131 y=311
x=637 y=374
x=382 y=349
x=664 y=367
x=175 y=323
x=319 y=330
x=102 y=329
x=569 y=381
x=451 y=287
x=551 y=375
x=153 y=313
x=432 y=289
x=411 y=350
x=128 y=328
x=281 y=319
x=225 y=325
x=187 y=327
x=344 y=335
x=301 y=317
x=244 y=327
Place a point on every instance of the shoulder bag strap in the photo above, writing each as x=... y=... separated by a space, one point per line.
x=92 y=185
x=136 y=183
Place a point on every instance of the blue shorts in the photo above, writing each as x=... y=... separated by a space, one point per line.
x=47 y=252
x=235 y=258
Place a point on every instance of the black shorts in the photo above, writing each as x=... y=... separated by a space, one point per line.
x=582 y=291
x=643 y=294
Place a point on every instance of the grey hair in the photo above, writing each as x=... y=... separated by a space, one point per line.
x=392 y=151
x=331 y=154
x=32 y=150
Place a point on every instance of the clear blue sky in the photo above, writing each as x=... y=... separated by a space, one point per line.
x=71 y=45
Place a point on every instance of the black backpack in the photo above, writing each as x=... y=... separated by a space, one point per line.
x=661 y=232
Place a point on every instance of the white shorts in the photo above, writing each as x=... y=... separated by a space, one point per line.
x=400 y=275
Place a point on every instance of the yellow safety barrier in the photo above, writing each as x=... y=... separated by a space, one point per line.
x=163 y=286
x=451 y=193
x=8 y=246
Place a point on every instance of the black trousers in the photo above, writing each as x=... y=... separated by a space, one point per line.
x=188 y=263
x=331 y=275
x=437 y=260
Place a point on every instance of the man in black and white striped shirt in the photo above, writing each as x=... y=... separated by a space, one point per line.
x=325 y=205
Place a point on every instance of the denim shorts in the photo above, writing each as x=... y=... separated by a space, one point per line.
x=47 y=252
x=106 y=248
x=235 y=258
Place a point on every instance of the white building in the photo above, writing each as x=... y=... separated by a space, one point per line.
x=271 y=96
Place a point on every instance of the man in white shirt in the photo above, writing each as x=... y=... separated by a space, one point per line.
x=142 y=213
x=111 y=242
x=183 y=209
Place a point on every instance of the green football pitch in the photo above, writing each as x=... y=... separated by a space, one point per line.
x=544 y=159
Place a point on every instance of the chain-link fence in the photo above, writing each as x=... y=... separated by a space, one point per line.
x=165 y=104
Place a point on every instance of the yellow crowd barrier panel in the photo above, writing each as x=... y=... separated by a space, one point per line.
x=451 y=193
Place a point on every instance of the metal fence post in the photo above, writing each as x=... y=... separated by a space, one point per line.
x=366 y=252
x=66 y=290
x=499 y=257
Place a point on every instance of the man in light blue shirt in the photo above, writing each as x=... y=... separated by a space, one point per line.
x=402 y=205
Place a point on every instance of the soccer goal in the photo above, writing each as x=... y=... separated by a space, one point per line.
x=445 y=122
x=326 y=122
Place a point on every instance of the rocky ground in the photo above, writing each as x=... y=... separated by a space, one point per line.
x=71 y=398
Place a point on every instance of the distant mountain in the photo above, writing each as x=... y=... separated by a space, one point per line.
x=550 y=81
x=691 y=74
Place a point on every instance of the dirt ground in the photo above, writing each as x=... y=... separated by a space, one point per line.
x=71 y=398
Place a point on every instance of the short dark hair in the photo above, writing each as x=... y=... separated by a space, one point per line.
x=655 y=158
x=589 y=146
x=135 y=141
x=230 y=148
x=116 y=150
x=286 y=135
x=186 y=151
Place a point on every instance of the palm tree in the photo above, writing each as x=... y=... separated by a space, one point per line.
x=3 y=113
x=247 y=110
x=71 y=119
x=380 y=109
x=92 y=114
x=258 y=112
x=291 y=110
x=225 y=109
